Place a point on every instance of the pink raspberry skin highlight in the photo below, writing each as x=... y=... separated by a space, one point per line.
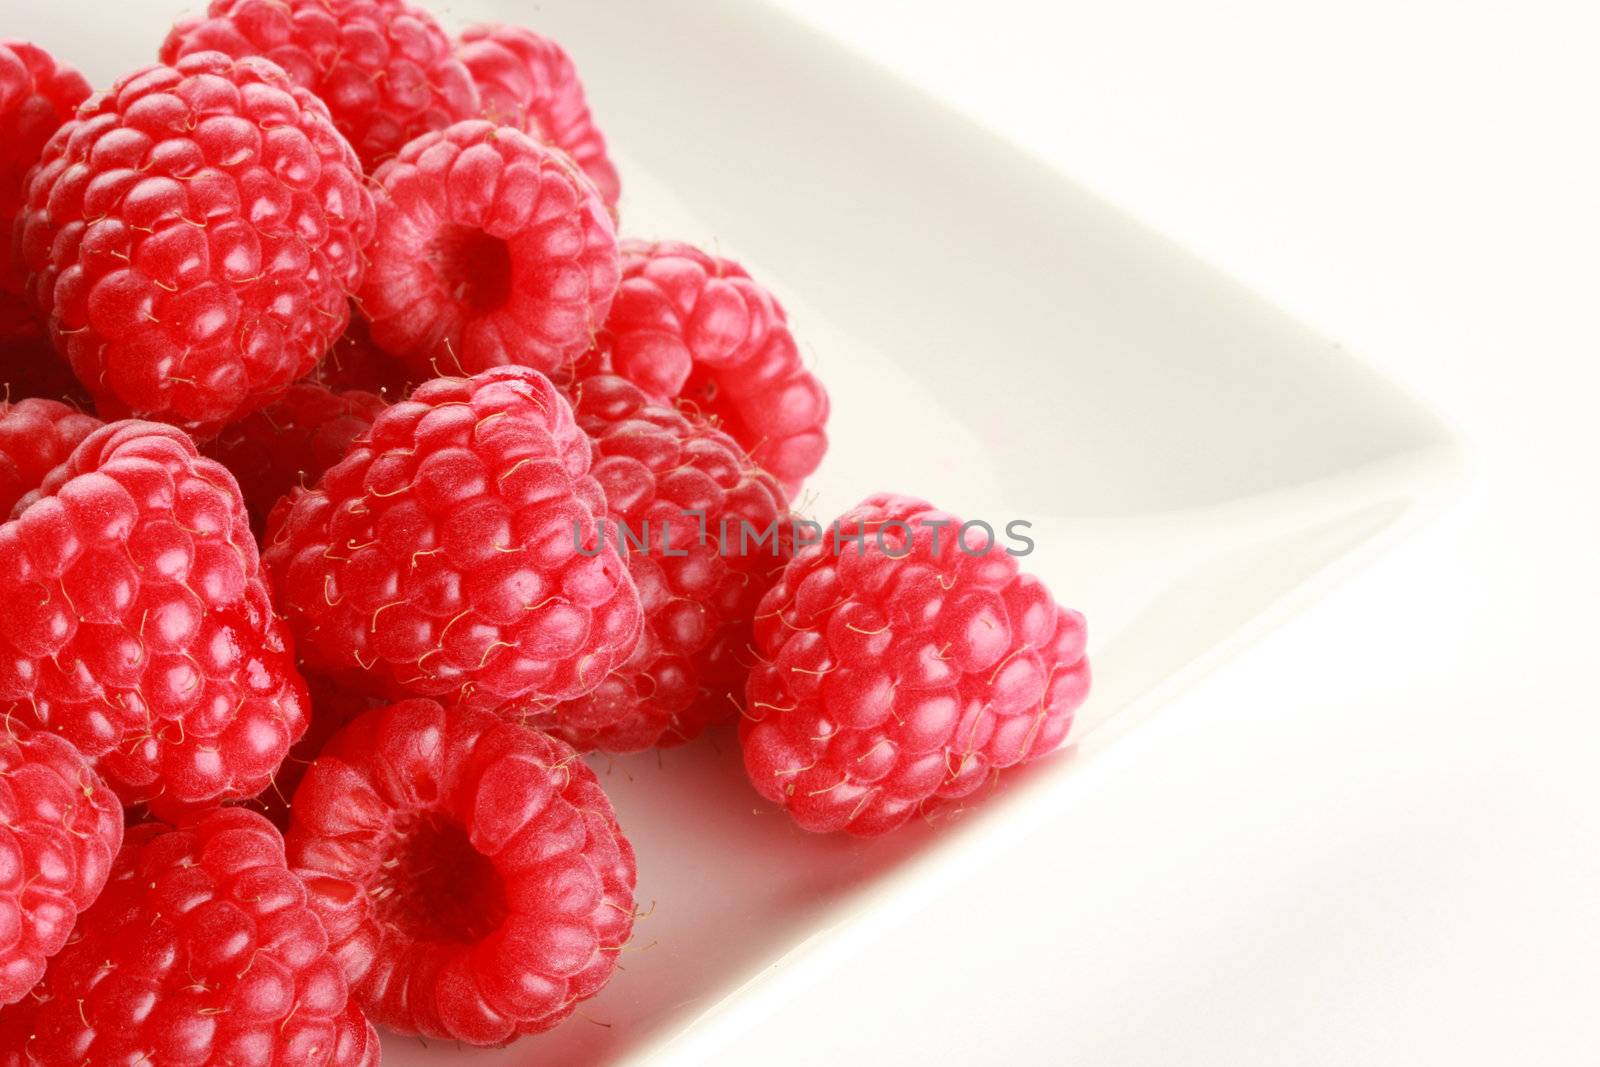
x=192 y=238
x=470 y=872
x=491 y=249
x=529 y=81
x=899 y=678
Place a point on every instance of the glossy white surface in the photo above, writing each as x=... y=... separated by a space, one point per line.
x=1370 y=839
x=994 y=338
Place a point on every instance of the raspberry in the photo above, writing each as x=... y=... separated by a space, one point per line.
x=137 y=624
x=192 y=237
x=37 y=95
x=439 y=558
x=528 y=81
x=291 y=442
x=695 y=329
x=35 y=437
x=59 y=829
x=716 y=530
x=898 y=677
x=384 y=68
x=470 y=872
x=202 y=950
x=491 y=249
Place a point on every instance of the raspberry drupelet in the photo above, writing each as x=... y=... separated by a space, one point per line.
x=385 y=69
x=708 y=533
x=901 y=675
x=36 y=436
x=470 y=872
x=491 y=248
x=291 y=441
x=37 y=94
x=202 y=950
x=697 y=330
x=60 y=827
x=455 y=552
x=192 y=238
x=138 y=625
x=527 y=80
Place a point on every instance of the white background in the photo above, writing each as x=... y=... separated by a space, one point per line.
x=1374 y=838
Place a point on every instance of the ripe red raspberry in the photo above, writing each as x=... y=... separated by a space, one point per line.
x=202 y=950
x=695 y=329
x=528 y=81
x=36 y=436
x=384 y=68
x=716 y=535
x=60 y=826
x=440 y=557
x=192 y=237
x=291 y=441
x=901 y=676
x=138 y=626
x=470 y=872
x=37 y=94
x=491 y=249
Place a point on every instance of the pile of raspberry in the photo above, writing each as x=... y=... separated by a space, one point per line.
x=358 y=478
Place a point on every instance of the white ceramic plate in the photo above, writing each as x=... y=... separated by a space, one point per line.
x=995 y=339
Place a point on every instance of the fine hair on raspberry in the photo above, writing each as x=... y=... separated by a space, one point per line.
x=446 y=554
x=60 y=827
x=470 y=871
x=356 y=363
x=201 y=950
x=192 y=238
x=138 y=624
x=491 y=248
x=898 y=672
